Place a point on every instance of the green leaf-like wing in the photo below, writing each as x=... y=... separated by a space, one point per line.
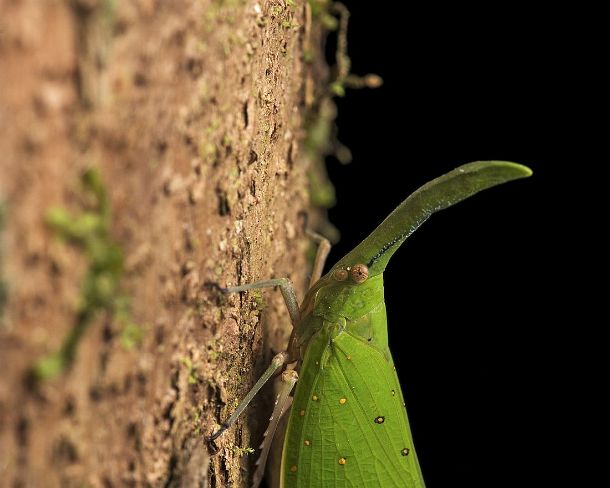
x=348 y=425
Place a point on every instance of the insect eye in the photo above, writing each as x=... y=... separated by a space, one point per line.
x=340 y=274
x=359 y=273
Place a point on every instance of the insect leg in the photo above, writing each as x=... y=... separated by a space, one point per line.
x=276 y=363
x=289 y=378
x=321 y=255
x=287 y=292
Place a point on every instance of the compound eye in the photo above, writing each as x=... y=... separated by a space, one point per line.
x=340 y=274
x=359 y=273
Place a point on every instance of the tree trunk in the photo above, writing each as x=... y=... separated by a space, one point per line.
x=192 y=112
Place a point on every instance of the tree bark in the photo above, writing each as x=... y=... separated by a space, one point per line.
x=192 y=111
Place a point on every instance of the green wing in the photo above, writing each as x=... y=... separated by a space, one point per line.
x=348 y=425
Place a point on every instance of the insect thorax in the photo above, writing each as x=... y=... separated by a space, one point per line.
x=358 y=309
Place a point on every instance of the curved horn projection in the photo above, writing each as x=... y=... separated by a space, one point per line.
x=438 y=194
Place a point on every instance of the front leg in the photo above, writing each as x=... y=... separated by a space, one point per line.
x=280 y=359
x=287 y=292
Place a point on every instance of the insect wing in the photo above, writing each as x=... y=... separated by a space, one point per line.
x=348 y=426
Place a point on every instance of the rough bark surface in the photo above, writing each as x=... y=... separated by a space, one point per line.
x=192 y=110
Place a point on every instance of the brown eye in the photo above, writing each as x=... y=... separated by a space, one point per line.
x=340 y=274
x=359 y=273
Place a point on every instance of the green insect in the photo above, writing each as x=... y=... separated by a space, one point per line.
x=348 y=425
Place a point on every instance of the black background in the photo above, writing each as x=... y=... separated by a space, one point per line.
x=467 y=294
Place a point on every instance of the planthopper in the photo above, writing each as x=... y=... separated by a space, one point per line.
x=348 y=424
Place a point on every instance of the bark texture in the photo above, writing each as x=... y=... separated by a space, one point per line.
x=192 y=110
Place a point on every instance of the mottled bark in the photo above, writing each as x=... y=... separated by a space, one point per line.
x=192 y=111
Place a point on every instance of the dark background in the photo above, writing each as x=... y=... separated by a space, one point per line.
x=467 y=294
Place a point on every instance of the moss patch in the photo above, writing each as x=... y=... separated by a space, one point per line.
x=100 y=292
x=321 y=131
